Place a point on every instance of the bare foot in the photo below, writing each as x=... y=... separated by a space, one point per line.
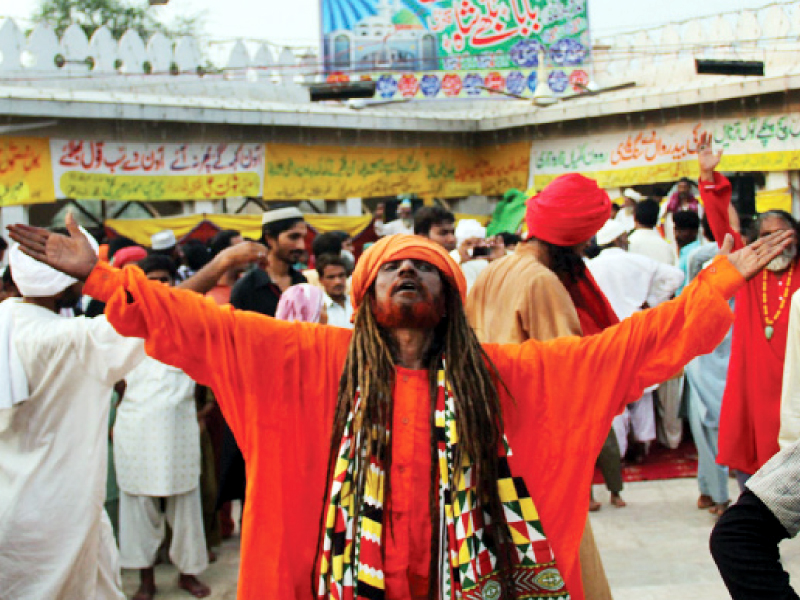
x=616 y=500
x=719 y=508
x=594 y=505
x=145 y=592
x=194 y=586
x=705 y=501
x=147 y=585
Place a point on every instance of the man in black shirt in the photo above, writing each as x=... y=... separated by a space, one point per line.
x=284 y=232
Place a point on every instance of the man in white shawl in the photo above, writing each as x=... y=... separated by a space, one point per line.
x=56 y=376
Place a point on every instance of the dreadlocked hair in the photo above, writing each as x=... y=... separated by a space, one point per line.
x=472 y=379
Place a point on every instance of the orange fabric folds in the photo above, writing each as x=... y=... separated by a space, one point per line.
x=399 y=247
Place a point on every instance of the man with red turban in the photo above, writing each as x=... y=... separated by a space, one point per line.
x=544 y=291
x=415 y=462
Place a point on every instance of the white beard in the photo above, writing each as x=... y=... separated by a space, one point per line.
x=783 y=260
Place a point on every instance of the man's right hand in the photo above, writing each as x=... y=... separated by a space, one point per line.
x=71 y=254
x=707 y=159
x=244 y=254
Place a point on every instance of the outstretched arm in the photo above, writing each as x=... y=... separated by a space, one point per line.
x=577 y=385
x=715 y=190
x=212 y=344
x=234 y=256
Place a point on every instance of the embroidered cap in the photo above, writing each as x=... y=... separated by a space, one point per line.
x=163 y=240
x=281 y=214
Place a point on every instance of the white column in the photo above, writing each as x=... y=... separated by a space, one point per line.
x=13 y=214
x=10 y=215
x=203 y=207
x=794 y=180
x=353 y=207
x=776 y=180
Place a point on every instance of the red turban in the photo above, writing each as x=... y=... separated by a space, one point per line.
x=399 y=247
x=569 y=211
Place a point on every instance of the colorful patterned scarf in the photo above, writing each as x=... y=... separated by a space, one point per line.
x=351 y=564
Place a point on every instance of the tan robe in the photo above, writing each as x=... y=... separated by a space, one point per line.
x=515 y=299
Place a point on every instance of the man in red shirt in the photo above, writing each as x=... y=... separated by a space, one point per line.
x=750 y=415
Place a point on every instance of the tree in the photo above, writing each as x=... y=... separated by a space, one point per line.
x=117 y=15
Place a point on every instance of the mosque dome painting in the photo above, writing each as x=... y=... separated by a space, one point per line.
x=389 y=35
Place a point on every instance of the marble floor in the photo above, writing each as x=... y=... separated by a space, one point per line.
x=656 y=548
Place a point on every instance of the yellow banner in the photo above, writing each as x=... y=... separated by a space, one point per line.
x=295 y=172
x=766 y=161
x=780 y=199
x=140 y=230
x=26 y=176
x=98 y=186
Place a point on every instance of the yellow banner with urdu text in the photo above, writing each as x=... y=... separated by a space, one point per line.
x=26 y=175
x=297 y=172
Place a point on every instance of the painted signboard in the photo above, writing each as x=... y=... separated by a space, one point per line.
x=25 y=174
x=650 y=155
x=296 y=172
x=422 y=47
x=99 y=170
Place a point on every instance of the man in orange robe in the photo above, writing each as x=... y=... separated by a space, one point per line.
x=544 y=291
x=750 y=415
x=557 y=400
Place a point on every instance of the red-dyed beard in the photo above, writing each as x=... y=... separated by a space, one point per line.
x=424 y=314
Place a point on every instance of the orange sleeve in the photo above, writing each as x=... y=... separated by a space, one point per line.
x=243 y=356
x=596 y=376
x=565 y=393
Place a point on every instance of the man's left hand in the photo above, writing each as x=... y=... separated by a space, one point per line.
x=752 y=258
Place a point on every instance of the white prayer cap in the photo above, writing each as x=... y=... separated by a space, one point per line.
x=163 y=240
x=281 y=214
x=632 y=194
x=609 y=232
x=35 y=279
x=469 y=228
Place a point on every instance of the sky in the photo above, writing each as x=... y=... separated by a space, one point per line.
x=296 y=22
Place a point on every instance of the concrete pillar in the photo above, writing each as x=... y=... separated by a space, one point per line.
x=10 y=215
x=353 y=207
x=776 y=180
x=203 y=206
x=794 y=187
x=13 y=214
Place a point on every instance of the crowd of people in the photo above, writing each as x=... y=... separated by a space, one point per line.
x=420 y=421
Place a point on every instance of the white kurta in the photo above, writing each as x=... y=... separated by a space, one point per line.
x=55 y=539
x=790 y=394
x=338 y=315
x=649 y=242
x=629 y=280
x=398 y=226
x=156 y=435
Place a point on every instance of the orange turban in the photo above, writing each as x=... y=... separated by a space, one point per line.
x=399 y=247
x=569 y=211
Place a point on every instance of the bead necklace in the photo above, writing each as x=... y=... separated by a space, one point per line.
x=769 y=330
